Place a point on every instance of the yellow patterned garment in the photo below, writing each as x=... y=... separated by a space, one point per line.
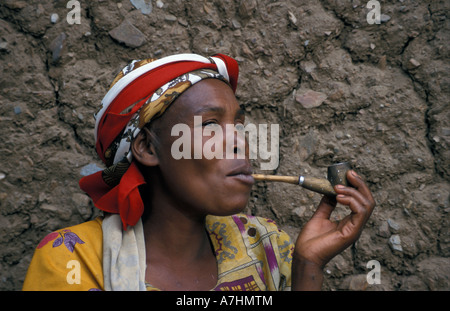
x=252 y=254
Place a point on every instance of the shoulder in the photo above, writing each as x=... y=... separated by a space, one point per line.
x=251 y=226
x=90 y=231
x=251 y=230
x=68 y=259
x=244 y=244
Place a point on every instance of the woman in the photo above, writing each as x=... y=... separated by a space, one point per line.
x=174 y=224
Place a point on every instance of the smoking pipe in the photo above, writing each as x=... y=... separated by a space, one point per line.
x=336 y=175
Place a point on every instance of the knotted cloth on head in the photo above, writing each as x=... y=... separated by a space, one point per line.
x=140 y=93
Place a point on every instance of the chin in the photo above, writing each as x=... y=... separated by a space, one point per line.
x=233 y=206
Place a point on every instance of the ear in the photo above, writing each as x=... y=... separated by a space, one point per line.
x=143 y=148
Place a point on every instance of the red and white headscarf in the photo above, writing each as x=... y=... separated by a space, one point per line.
x=140 y=93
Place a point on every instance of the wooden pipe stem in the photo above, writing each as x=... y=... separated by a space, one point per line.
x=286 y=179
x=319 y=185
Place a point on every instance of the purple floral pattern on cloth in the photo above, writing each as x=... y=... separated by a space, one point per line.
x=66 y=237
x=69 y=239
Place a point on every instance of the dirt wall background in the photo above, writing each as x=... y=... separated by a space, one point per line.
x=381 y=102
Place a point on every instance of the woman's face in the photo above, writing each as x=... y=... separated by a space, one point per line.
x=218 y=185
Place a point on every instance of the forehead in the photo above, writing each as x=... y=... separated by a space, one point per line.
x=207 y=95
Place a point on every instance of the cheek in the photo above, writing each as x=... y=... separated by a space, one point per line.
x=201 y=183
x=190 y=180
x=200 y=188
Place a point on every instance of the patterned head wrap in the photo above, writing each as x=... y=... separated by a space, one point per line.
x=141 y=92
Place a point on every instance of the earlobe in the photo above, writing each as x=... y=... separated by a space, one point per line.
x=143 y=149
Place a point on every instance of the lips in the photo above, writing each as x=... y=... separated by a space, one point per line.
x=244 y=169
x=242 y=173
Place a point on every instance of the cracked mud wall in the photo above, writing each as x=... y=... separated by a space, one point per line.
x=383 y=105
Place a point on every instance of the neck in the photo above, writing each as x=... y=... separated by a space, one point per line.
x=178 y=249
x=171 y=232
x=176 y=236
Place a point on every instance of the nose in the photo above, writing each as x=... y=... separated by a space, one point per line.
x=238 y=149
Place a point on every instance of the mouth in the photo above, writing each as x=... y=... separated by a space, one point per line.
x=242 y=173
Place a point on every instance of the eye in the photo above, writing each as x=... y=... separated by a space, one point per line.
x=210 y=123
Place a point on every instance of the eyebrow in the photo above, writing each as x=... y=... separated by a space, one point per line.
x=221 y=110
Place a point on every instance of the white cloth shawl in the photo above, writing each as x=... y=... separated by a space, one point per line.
x=124 y=259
